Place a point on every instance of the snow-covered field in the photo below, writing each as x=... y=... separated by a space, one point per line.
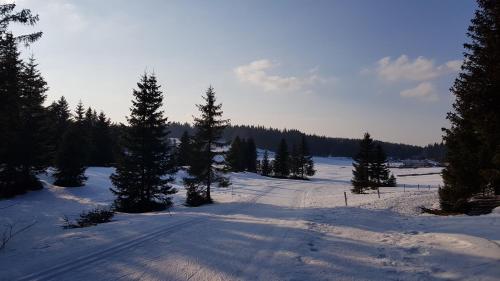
x=260 y=229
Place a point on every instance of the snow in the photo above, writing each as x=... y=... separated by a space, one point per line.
x=258 y=229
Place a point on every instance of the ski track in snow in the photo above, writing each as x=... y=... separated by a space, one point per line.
x=261 y=229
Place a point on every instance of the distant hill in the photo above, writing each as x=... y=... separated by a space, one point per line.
x=268 y=138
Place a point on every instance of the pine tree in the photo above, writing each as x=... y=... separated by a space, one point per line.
x=295 y=162
x=102 y=142
x=306 y=163
x=235 y=157
x=378 y=170
x=143 y=173
x=80 y=114
x=243 y=155
x=281 y=161
x=72 y=156
x=266 y=168
x=251 y=156
x=184 y=150
x=391 y=182
x=10 y=111
x=16 y=174
x=58 y=121
x=473 y=140
x=33 y=156
x=25 y=17
x=361 y=164
x=205 y=169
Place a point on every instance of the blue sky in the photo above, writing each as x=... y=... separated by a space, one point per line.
x=335 y=68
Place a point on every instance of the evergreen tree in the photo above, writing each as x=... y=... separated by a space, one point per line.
x=80 y=114
x=295 y=162
x=25 y=17
x=243 y=158
x=10 y=111
x=59 y=120
x=102 y=142
x=266 y=167
x=32 y=140
x=378 y=170
x=306 y=163
x=391 y=182
x=281 y=162
x=251 y=156
x=18 y=100
x=473 y=140
x=184 y=150
x=71 y=158
x=361 y=164
x=205 y=168
x=235 y=156
x=72 y=155
x=143 y=173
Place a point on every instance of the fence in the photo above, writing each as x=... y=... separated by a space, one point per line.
x=410 y=187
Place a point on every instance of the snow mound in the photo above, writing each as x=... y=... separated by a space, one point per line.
x=408 y=203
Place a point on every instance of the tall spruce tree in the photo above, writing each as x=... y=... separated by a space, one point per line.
x=143 y=173
x=102 y=140
x=235 y=157
x=378 y=170
x=8 y=15
x=473 y=140
x=72 y=155
x=306 y=163
x=184 y=149
x=251 y=156
x=295 y=162
x=34 y=152
x=206 y=165
x=58 y=121
x=361 y=164
x=22 y=92
x=10 y=113
x=265 y=166
x=281 y=163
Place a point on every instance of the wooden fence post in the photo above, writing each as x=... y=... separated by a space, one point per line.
x=345 y=198
x=378 y=192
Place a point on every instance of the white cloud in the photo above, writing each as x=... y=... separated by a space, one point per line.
x=424 y=91
x=420 y=69
x=256 y=73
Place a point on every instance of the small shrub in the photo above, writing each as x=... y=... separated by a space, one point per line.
x=90 y=218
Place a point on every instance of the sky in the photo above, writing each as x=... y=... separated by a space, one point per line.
x=334 y=68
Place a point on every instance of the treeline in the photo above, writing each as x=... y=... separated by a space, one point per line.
x=297 y=164
x=34 y=137
x=294 y=164
x=267 y=138
x=242 y=156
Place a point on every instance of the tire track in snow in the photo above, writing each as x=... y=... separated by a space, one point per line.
x=86 y=260
x=297 y=202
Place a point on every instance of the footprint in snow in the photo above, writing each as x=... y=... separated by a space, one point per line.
x=312 y=248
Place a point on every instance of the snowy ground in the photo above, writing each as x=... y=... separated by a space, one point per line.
x=261 y=229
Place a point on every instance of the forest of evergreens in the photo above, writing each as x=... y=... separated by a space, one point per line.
x=267 y=138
